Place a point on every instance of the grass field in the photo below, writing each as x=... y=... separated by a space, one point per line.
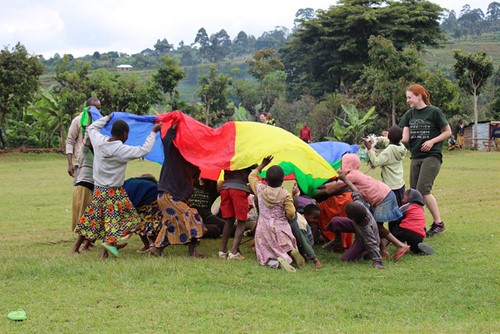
x=455 y=290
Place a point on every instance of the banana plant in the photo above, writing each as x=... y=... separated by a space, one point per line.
x=50 y=118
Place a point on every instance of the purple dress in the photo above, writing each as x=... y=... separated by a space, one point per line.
x=273 y=236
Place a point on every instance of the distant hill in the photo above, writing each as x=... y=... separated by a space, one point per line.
x=443 y=57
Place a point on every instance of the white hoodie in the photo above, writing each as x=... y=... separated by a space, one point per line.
x=111 y=157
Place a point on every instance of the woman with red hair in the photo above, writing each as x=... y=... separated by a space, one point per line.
x=425 y=128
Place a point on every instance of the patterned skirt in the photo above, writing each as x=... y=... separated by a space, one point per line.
x=109 y=216
x=150 y=219
x=181 y=223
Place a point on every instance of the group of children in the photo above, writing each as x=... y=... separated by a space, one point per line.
x=176 y=208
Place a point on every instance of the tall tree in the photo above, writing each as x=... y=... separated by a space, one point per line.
x=204 y=42
x=167 y=78
x=327 y=53
x=220 y=46
x=213 y=92
x=162 y=47
x=19 y=80
x=389 y=72
x=472 y=71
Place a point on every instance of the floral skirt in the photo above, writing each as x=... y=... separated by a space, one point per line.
x=150 y=219
x=181 y=223
x=109 y=216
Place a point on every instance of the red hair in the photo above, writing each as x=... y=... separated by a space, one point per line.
x=420 y=90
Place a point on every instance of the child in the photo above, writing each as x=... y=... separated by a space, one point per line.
x=181 y=224
x=411 y=228
x=304 y=238
x=390 y=161
x=274 y=240
x=110 y=215
x=204 y=195
x=307 y=217
x=376 y=193
x=143 y=193
x=360 y=221
x=234 y=205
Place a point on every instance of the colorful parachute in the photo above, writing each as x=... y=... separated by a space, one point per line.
x=234 y=145
x=332 y=151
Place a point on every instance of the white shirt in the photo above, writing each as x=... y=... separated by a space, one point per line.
x=111 y=157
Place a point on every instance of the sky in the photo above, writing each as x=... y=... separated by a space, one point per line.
x=81 y=27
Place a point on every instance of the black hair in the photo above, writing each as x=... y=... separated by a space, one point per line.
x=395 y=134
x=309 y=209
x=92 y=101
x=275 y=176
x=119 y=128
x=356 y=211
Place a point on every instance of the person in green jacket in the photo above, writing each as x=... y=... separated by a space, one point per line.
x=390 y=161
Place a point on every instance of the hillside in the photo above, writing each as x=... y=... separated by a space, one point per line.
x=443 y=57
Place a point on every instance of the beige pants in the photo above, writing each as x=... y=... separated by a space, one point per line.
x=497 y=144
x=81 y=199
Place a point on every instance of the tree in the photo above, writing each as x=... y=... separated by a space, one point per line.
x=304 y=14
x=162 y=47
x=73 y=80
x=19 y=80
x=204 y=42
x=274 y=39
x=389 y=73
x=327 y=53
x=240 y=44
x=264 y=62
x=220 y=46
x=167 y=78
x=213 y=93
x=472 y=71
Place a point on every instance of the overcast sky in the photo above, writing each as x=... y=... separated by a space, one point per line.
x=82 y=27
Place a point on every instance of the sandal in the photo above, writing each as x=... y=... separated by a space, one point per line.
x=17 y=315
x=112 y=249
x=399 y=254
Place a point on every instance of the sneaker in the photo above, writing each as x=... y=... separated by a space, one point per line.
x=237 y=256
x=435 y=229
x=285 y=265
x=223 y=255
x=425 y=249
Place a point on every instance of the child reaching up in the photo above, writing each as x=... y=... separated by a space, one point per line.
x=110 y=215
x=411 y=228
x=390 y=161
x=274 y=240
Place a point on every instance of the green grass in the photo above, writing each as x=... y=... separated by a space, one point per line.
x=443 y=57
x=455 y=290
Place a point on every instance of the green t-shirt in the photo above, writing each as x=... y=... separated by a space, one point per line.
x=424 y=124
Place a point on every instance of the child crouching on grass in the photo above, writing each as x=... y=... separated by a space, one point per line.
x=275 y=244
x=110 y=215
x=411 y=227
x=361 y=222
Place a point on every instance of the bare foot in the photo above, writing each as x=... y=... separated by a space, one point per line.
x=104 y=254
x=317 y=264
x=120 y=246
x=155 y=251
x=197 y=255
